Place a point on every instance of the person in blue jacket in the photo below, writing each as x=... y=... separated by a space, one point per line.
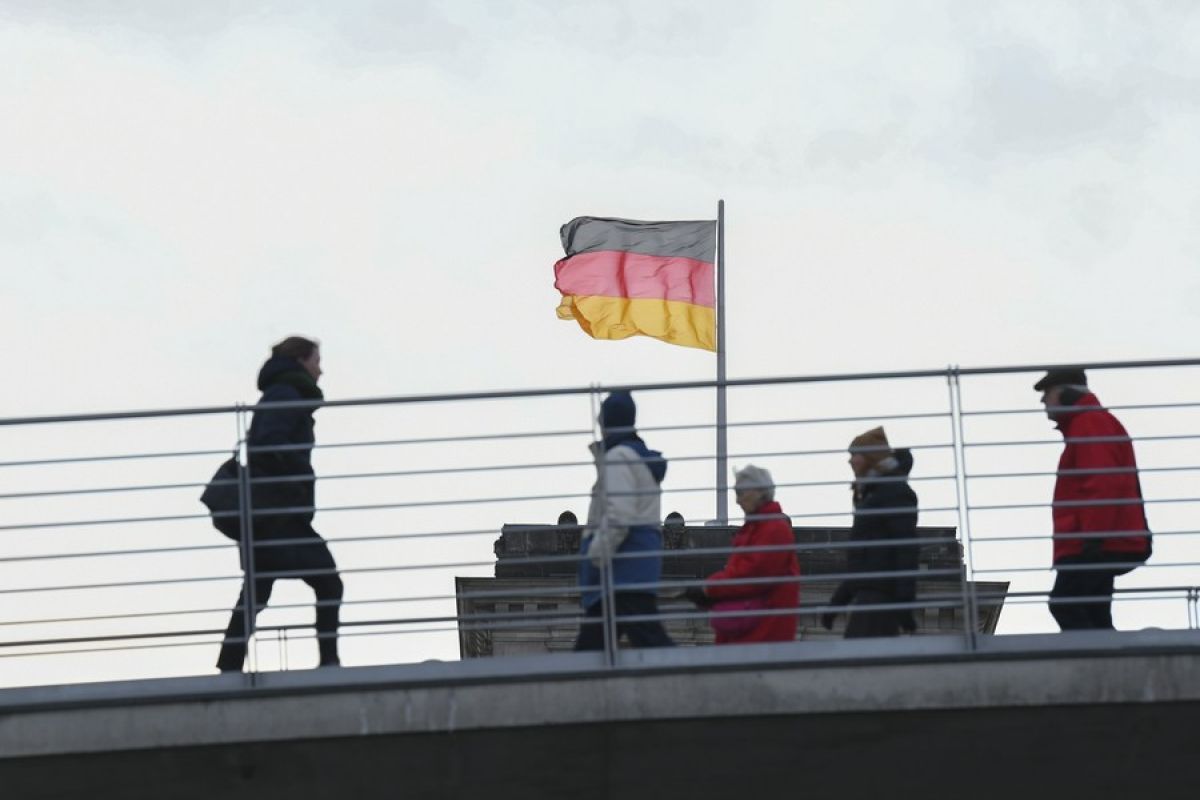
x=282 y=499
x=624 y=529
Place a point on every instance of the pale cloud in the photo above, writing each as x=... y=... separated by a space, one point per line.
x=320 y=157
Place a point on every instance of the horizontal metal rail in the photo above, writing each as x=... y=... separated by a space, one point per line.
x=1083 y=471
x=1101 y=567
x=66 y=621
x=1045 y=537
x=44 y=462
x=1118 y=407
x=542 y=617
x=832 y=544
x=1091 y=503
x=286 y=479
x=517 y=394
x=1092 y=440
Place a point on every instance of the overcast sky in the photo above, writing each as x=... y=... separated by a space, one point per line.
x=990 y=183
x=907 y=184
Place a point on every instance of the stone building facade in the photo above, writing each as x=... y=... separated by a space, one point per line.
x=532 y=605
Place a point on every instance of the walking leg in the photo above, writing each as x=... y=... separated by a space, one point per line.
x=233 y=649
x=641 y=633
x=1070 y=585
x=327 y=587
x=591 y=632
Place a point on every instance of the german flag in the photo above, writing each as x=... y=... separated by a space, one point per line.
x=623 y=278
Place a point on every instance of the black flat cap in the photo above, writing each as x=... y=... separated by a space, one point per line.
x=1061 y=377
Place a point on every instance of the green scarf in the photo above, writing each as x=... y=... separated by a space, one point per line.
x=302 y=382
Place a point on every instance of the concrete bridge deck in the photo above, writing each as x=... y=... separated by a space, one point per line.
x=1066 y=715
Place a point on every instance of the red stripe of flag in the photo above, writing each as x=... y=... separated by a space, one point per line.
x=613 y=273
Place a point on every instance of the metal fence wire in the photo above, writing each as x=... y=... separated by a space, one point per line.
x=442 y=513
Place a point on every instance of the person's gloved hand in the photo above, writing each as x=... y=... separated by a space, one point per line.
x=696 y=595
x=601 y=548
x=827 y=620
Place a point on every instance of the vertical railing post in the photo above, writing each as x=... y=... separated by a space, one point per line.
x=962 y=503
x=246 y=508
x=966 y=483
x=608 y=617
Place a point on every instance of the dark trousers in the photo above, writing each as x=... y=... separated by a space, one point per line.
x=1070 y=584
x=868 y=624
x=310 y=555
x=648 y=633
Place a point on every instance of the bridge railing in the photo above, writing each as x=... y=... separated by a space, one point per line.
x=110 y=568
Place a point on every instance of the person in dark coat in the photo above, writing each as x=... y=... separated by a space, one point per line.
x=1092 y=543
x=282 y=499
x=885 y=507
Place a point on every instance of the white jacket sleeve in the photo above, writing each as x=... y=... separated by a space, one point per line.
x=617 y=504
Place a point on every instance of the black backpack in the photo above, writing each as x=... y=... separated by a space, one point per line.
x=222 y=495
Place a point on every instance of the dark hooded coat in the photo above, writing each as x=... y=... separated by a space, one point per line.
x=883 y=510
x=281 y=440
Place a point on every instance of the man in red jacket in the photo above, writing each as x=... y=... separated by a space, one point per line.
x=1100 y=528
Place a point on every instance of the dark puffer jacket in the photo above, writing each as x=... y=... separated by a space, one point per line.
x=283 y=379
x=883 y=510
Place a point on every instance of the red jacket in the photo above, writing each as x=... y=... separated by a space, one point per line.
x=1071 y=515
x=760 y=564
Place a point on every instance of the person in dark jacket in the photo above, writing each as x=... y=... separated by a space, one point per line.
x=885 y=507
x=1092 y=543
x=282 y=499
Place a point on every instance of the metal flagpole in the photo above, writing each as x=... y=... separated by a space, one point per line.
x=722 y=442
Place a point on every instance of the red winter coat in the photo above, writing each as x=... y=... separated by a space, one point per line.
x=1071 y=515
x=758 y=533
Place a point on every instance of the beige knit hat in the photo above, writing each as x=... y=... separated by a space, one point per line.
x=873 y=445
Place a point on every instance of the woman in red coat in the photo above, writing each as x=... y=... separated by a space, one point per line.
x=766 y=526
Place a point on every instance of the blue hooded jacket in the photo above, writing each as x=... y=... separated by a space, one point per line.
x=618 y=414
